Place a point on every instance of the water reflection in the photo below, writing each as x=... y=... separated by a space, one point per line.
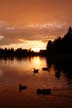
x=1 y=73
x=17 y=76
x=61 y=68
x=58 y=74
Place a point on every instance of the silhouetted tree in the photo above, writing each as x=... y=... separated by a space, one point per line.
x=61 y=45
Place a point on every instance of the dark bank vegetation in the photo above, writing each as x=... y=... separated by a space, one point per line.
x=60 y=48
x=18 y=53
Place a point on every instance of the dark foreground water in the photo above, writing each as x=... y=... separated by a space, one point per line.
x=15 y=72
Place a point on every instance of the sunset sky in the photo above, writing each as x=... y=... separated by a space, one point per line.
x=31 y=23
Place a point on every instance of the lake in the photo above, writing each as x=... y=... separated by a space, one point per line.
x=15 y=72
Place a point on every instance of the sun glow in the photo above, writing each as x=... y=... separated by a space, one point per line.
x=36 y=49
x=35 y=46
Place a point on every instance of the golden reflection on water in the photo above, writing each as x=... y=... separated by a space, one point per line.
x=37 y=62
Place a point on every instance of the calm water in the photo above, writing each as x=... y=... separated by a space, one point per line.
x=15 y=72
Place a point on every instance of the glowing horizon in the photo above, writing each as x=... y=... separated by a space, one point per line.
x=35 y=46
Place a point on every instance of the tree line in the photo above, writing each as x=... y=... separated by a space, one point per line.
x=18 y=53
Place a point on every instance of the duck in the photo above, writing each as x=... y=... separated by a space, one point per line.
x=43 y=91
x=22 y=87
x=35 y=70
x=45 y=68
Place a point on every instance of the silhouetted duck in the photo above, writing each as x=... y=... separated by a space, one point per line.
x=43 y=91
x=22 y=87
x=35 y=70
x=45 y=68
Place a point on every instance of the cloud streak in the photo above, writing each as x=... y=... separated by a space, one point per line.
x=11 y=34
